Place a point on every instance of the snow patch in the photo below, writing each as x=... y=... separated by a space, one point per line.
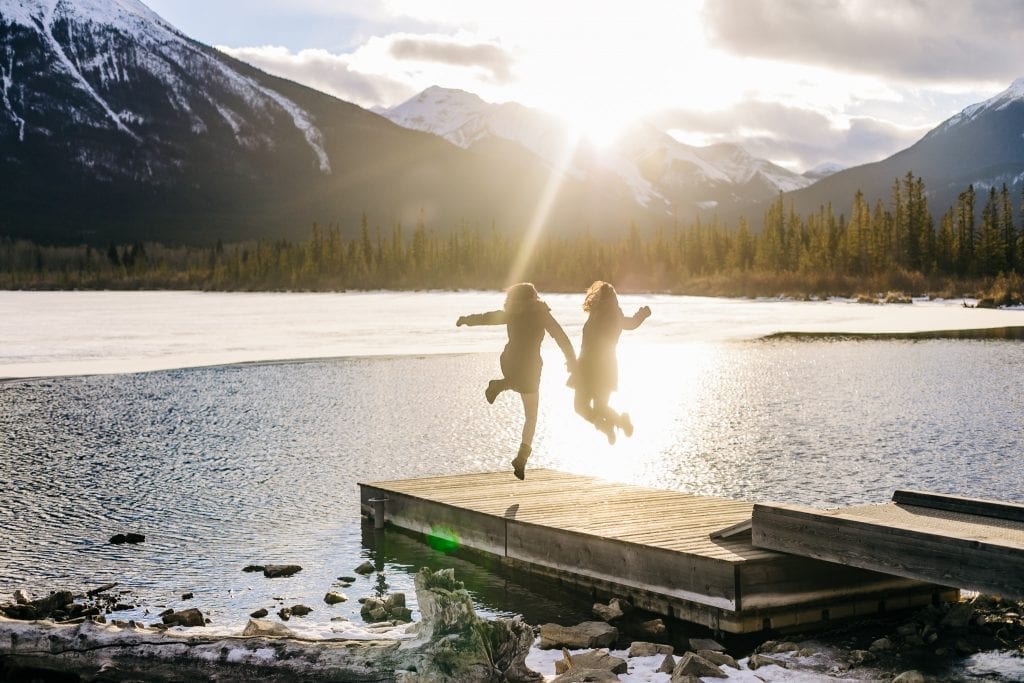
x=302 y=121
x=6 y=81
x=46 y=27
x=1015 y=93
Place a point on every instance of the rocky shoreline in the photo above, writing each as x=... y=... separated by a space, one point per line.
x=67 y=636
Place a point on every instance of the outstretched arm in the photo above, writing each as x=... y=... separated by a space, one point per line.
x=490 y=318
x=634 y=321
x=558 y=334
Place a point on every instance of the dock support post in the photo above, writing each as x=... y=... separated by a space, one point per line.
x=378 y=512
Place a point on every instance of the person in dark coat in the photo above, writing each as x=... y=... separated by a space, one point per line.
x=526 y=319
x=597 y=373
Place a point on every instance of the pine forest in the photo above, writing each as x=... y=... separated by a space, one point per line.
x=893 y=247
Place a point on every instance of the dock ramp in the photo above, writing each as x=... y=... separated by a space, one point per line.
x=967 y=543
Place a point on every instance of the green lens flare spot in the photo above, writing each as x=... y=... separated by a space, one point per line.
x=443 y=538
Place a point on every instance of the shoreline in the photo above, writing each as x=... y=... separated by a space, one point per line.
x=925 y=644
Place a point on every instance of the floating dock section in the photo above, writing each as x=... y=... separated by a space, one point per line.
x=680 y=555
x=965 y=542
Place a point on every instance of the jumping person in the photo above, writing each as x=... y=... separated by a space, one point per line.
x=526 y=318
x=597 y=372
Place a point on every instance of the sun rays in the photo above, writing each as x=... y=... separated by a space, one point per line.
x=545 y=202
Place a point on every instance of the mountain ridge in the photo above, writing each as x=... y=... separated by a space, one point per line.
x=116 y=126
x=661 y=172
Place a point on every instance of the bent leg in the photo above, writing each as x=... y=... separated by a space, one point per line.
x=582 y=404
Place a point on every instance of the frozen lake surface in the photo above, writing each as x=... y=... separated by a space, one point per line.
x=66 y=333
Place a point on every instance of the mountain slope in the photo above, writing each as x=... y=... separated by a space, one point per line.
x=114 y=125
x=983 y=145
x=667 y=176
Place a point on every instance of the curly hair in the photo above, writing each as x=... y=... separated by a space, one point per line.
x=519 y=296
x=599 y=294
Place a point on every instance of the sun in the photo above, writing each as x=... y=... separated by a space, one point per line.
x=598 y=125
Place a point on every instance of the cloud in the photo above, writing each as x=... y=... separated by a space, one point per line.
x=324 y=71
x=387 y=70
x=486 y=56
x=925 y=40
x=795 y=137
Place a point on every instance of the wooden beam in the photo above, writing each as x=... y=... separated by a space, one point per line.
x=976 y=563
x=967 y=506
x=731 y=530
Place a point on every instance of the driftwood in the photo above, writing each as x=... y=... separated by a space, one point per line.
x=450 y=644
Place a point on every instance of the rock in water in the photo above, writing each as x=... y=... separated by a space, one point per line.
x=274 y=571
x=333 y=598
x=188 y=617
x=453 y=644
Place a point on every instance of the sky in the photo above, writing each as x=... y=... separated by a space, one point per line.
x=799 y=82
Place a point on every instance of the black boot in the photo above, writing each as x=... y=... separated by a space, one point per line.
x=494 y=387
x=519 y=464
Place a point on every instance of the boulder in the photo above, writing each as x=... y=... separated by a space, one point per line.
x=22 y=597
x=333 y=598
x=588 y=634
x=756 y=661
x=364 y=569
x=718 y=658
x=911 y=676
x=268 y=629
x=594 y=659
x=652 y=628
x=644 y=649
x=453 y=644
x=275 y=571
x=252 y=568
x=189 y=617
x=300 y=610
x=880 y=645
x=693 y=664
x=609 y=612
x=54 y=605
x=260 y=613
x=187 y=596
x=667 y=665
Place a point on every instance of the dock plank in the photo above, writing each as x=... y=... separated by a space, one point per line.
x=652 y=546
x=977 y=552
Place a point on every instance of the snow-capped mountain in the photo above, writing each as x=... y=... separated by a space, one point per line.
x=660 y=172
x=115 y=125
x=105 y=51
x=823 y=170
x=981 y=146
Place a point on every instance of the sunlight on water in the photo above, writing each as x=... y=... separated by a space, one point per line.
x=659 y=386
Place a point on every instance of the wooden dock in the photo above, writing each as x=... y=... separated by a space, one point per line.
x=964 y=542
x=659 y=549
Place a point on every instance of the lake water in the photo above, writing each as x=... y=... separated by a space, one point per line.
x=251 y=463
